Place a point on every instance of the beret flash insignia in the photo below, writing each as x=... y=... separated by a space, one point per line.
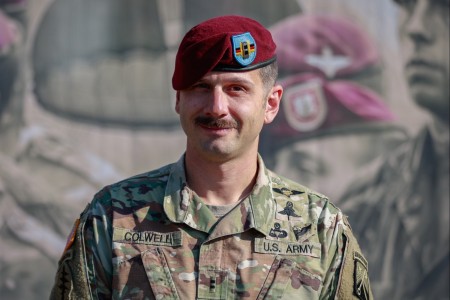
x=305 y=106
x=244 y=48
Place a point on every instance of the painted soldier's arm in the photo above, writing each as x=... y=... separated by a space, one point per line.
x=85 y=268
x=34 y=194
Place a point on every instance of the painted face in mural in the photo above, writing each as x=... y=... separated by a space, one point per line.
x=424 y=35
x=328 y=163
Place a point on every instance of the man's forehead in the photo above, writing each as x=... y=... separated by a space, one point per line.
x=247 y=76
x=413 y=4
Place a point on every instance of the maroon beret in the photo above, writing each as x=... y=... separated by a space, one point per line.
x=315 y=106
x=316 y=51
x=323 y=44
x=227 y=43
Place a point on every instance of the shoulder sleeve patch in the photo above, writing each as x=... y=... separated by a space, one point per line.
x=361 y=277
x=73 y=232
x=71 y=277
x=354 y=280
x=71 y=237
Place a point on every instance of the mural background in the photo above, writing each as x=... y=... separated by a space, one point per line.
x=91 y=103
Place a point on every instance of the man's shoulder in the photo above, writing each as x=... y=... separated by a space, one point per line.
x=132 y=191
x=280 y=180
x=295 y=190
x=321 y=218
x=154 y=177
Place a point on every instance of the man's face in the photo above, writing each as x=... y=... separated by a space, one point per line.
x=424 y=34
x=223 y=113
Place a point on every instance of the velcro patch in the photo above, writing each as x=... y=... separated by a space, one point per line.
x=72 y=234
x=362 y=285
x=287 y=248
x=123 y=235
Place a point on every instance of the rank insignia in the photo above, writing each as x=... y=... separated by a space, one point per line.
x=244 y=48
x=277 y=232
x=289 y=210
x=362 y=285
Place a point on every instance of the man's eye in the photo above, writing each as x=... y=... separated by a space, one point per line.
x=405 y=3
x=237 y=88
x=200 y=85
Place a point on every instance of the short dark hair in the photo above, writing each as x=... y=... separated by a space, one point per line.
x=269 y=75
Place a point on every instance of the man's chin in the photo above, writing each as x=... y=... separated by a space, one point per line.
x=430 y=99
x=216 y=149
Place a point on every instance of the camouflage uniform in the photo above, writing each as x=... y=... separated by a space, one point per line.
x=152 y=237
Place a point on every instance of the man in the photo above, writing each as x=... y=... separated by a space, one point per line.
x=403 y=211
x=217 y=224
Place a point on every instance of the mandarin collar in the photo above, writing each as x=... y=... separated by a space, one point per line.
x=182 y=205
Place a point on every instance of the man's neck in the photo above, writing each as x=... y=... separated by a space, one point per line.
x=439 y=130
x=221 y=183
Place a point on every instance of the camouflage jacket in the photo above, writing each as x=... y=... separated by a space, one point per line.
x=151 y=237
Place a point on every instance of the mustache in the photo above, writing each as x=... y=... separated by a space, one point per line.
x=214 y=122
x=422 y=62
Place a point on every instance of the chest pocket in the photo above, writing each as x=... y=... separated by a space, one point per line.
x=158 y=274
x=143 y=274
x=287 y=280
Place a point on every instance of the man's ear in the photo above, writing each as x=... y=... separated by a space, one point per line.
x=177 y=108
x=273 y=103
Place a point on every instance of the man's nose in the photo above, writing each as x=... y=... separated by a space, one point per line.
x=217 y=103
x=418 y=25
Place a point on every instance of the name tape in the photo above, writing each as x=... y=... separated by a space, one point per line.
x=123 y=235
x=287 y=248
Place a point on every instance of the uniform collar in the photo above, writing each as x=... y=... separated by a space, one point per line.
x=182 y=205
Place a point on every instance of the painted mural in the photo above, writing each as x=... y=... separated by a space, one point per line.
x=86 y=100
